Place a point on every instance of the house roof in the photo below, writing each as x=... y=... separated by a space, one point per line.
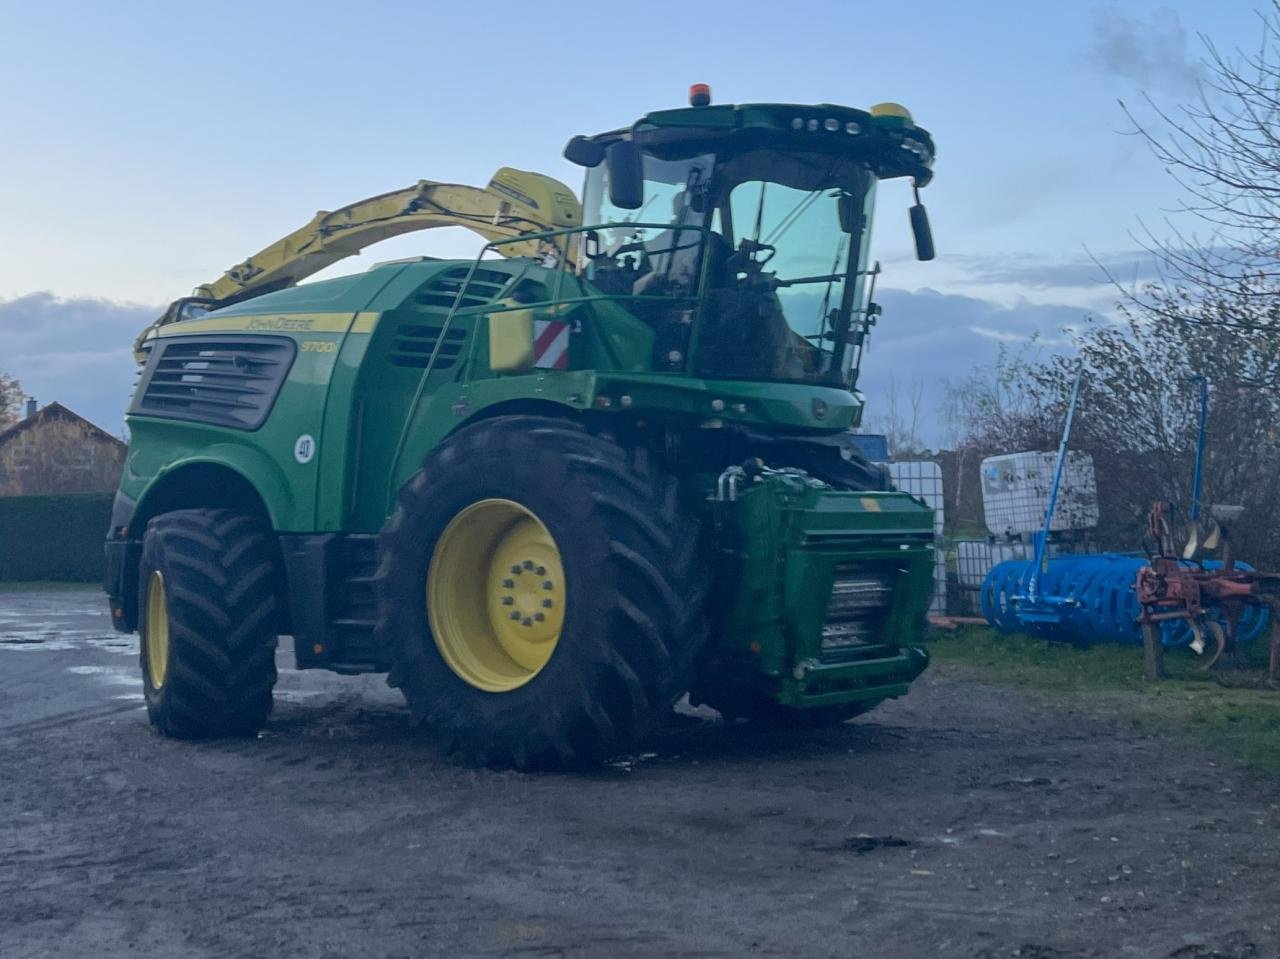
x=53 y=411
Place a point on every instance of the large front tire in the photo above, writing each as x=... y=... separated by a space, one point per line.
x=540 y=590
x=207 y=620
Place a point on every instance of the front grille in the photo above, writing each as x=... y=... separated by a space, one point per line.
x=227 y=382
x=856 y=613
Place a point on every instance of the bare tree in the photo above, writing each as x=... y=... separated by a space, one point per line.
x=992 y=409
x=10 y=399
x=1213 y=313
x=901 y=420
x=1139 y=408
x=1224 y=151
x=1138 y=412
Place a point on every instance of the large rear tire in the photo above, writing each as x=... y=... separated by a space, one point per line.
x=541 y=592
x=207 y=620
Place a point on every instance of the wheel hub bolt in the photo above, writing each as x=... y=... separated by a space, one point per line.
x=546 y=604
x=541 y=571
x=508 y=601
x=546 y=584
x=527 y=621
x=539 y=617
x=514 y=615
x=516 y=570
x=528 y=564
x=508 y=583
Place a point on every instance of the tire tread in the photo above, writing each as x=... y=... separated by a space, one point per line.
x=655 y=632
x=222 y=586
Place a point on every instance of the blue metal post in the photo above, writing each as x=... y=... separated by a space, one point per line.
x=1042 y=539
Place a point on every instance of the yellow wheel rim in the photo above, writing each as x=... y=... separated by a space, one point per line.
x=496 y=595
x=157 y=631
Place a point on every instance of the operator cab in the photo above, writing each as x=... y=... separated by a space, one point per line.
x=740 y=234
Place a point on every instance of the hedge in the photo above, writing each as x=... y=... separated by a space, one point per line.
x=54 y=537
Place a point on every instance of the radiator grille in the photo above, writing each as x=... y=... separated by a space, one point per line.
x=228 y=382
x=860 y=602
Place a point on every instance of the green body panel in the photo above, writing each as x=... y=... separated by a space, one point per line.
x=785 y=405
x=321 y=314
x=793 y=539
x=159 y=448
x=374 y=421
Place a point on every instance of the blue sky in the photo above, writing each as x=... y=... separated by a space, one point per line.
x=147 y=146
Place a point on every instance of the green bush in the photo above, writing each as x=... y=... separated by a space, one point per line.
x=56 y=537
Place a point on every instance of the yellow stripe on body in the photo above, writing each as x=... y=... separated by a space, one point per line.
x=276 y=323
x=365 y=322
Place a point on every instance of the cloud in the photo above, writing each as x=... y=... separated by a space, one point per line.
x=1151 y=53
x=76 y=351
x=929 y=338
x=1058 y=272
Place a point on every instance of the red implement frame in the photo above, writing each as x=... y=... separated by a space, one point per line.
x=1169 y=587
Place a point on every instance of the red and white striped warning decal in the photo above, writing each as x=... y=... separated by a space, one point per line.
x=551 y=344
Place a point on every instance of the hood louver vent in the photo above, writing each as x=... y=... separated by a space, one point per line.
x=442 y=292
x=215 y=380
x=413 y=346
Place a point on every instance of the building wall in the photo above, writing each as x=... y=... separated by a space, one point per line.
x=60 y=454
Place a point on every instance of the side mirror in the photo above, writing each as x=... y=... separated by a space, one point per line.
x=922 y=232
x=626 y=175
x=583 y=152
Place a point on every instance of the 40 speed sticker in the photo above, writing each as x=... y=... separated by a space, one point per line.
x=304 y=448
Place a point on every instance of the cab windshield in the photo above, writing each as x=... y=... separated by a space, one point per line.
x=748 y=264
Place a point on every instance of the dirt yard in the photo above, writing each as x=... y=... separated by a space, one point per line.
x=964 y=820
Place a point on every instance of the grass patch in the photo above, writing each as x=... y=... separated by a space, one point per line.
x=47 y=586
x=1232 y=711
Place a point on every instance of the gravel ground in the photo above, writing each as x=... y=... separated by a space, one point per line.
x=964 y=820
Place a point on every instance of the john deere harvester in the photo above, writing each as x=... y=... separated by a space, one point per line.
x=551 y=489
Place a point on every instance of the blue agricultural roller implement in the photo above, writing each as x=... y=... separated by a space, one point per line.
x=1095 y=601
